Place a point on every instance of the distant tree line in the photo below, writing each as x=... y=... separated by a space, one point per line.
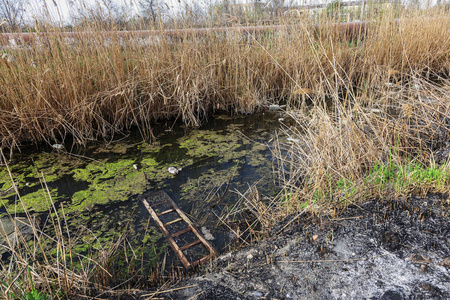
x=12 y=13
x=144 y=14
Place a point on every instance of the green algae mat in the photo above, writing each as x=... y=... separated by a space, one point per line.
x=97 y=187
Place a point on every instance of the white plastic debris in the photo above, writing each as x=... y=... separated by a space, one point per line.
x=275 y=107
x=207 y=234
x=58 y=146
x=173 y=170
x=135 y=166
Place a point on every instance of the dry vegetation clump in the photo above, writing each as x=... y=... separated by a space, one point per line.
x=391 y=142
x=389 y=147
x=99 y=83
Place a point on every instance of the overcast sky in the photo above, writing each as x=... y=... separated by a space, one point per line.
x=60 y=9
x=64 y=9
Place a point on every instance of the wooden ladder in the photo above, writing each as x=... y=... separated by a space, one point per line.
x=164 y=198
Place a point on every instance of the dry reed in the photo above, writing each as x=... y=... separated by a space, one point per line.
x=388 y=147
x=99 y=84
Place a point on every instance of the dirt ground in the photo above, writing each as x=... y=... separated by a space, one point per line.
x=396 y=249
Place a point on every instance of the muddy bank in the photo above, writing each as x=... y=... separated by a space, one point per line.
x=396 y=249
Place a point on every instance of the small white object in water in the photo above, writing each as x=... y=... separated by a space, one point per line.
x=207 y=234
x=135 y=166
x=173 y=170
x=58 y=146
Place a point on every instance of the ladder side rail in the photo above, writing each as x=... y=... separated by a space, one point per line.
x=194 y=230
x=167 y=235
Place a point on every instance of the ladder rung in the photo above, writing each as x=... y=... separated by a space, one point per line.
x=166 y=212
x=190 y=245
x=173 y=222
x=171 y=206
x=181 y=232
x=201 y=260
x=158 y=203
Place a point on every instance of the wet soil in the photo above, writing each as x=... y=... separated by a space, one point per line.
x=390 y=249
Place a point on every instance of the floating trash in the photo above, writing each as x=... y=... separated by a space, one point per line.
x=207 y=234
x=173 y=170
x=275 y=107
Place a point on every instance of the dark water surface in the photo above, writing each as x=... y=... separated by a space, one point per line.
x=98 y=187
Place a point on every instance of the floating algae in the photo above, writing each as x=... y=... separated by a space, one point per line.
x=98 y=188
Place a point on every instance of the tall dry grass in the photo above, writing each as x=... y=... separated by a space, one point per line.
x=389 y=143
x=370 y=117
x=99 y=84
x=362 y=102
x=389 y=147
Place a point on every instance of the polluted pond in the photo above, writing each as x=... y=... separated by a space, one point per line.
x=97 y=190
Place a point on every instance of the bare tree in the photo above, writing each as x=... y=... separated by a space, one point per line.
x=12 y=11
x=275 y=6
x=104 y=13
x=149 y=9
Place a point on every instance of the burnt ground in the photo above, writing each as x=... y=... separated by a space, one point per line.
x=396 y=249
